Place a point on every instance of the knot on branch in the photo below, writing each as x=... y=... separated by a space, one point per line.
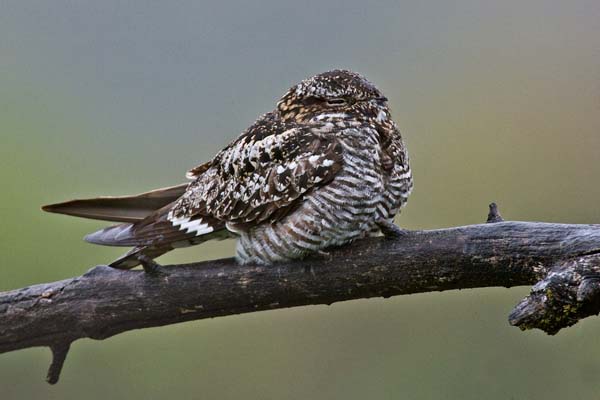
x=569 y=292
x=494 y=214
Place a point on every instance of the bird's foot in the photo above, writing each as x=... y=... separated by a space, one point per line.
x=150 y=266
x=324 y=254
x=391 y=230
x=317 y=255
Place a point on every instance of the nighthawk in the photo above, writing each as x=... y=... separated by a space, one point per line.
x=327 y=166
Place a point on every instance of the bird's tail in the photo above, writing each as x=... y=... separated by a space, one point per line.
x=131 y=210
x=120 y=209
x=145 y=224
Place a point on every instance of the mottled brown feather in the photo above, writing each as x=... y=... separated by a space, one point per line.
x=267 y=169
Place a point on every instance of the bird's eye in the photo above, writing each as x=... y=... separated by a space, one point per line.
x=337 y=101
x=312 y=100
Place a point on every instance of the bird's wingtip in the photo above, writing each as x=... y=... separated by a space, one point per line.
x=52 y=208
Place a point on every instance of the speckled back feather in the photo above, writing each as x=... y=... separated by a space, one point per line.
x=259 y=176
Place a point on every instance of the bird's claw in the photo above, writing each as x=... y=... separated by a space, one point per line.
x=150 y=266
x=391 y=230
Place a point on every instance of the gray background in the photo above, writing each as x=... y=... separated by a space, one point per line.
x=498 y=101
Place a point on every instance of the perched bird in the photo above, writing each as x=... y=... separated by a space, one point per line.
x=327 y=166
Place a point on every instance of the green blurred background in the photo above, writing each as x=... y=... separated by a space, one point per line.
x=498 y=101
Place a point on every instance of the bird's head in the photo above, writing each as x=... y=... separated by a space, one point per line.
x=333 y=96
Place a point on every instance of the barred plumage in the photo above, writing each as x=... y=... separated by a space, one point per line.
x=327 y=166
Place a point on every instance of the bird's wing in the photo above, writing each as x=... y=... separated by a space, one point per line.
x=157 y=230
x=259 y=177
x=263 y=174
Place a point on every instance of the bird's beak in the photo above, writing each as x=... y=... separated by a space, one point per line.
x=381 y=99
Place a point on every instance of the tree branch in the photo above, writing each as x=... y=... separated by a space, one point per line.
x=563 y=259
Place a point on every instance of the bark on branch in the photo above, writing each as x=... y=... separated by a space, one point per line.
x=561 y=261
